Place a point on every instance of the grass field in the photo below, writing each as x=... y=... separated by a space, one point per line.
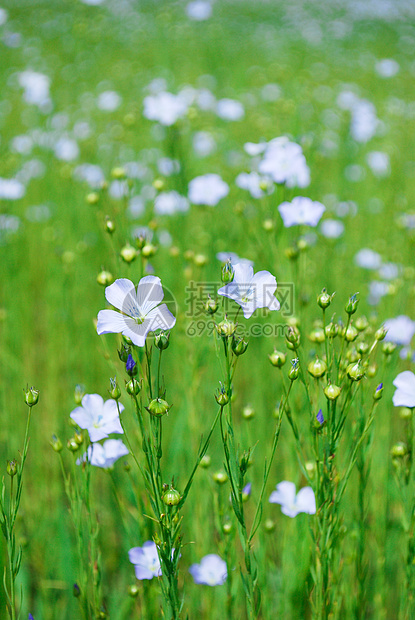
x=80 y=84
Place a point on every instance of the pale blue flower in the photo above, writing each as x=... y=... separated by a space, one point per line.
x=292 y=504
x=210 y=572
x=104 y=455
x=146 y=560
x=251 y=291
x=301 y=210
x=405 y=390
x=98 y=418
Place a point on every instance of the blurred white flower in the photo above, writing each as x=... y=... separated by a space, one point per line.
x=230 y=109
x=207 y=189
x=255 y=149
x=400 y=330
x=105 y=455
x=165 y=108
x=22 y=144
x=66 y=149
x=301 y=210
x=211 y=571
x=11 y=189
x=379 y=163
x=291 y=503
x=332 y=229
x=109 y=101
x=233 y=258
x=387 y=67
x=90 y=173
x=3 y=16
x=168 y=203
x=256 y=184
x=368 y=259
x=405 y=390
x=364 y=122
x=284 y=162
x=199 y=10
x=203 y=143
x=36 y=87
x=377 y=290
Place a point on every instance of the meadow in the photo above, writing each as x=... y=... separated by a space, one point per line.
x=262 y=423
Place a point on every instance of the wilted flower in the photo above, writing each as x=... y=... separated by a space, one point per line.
x=139 y=309
x=210 y=572
x=146 y=560
x=301 y=211
x=292 y=504
x=405 y=390
x=98 y=418
x=251 y=291
x=207 y=189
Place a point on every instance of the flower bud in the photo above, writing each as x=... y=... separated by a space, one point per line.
x=124 y=352
x=332 y=391
x=92 y=198
x=211 y=305
x=399 y=450
x=72 y=445
x=372 y=370
x=292 y=337
x=162 y=340
x=388 y=348
x=171 y=497
x=248 y=412
x=377 y=394
x=294 y=370
x=319 y=421
x=227 y=272
x=205 y=461
x=269 y=525
x=109 y=225
x=158 y=407
x=352 y=355
x=118 y=173
x=227 y=527
x=31 y=397
x=148 y=250
x=291 y=253
x=331 y=330
x=222 y=396
x=268 y=224
x=362 y=347
x=361 y=323
x=56 y=444
x=324 y=299
x=128 y=253
x=200 y=260
x=131 y=366
x=380 y=333
x=114 y=391
x=12 y=468
x=158 y=184
x=220 y=477
x=239 y=345
x=226 y=328
x=355 y=371
x=133 y=590
x=310 y=468
x=317 y=335
x=277 y=359
x=105 y=278
x=317 y=368
x=133 y=387
x=76 y=590
x=351 y=333
x=352 y=304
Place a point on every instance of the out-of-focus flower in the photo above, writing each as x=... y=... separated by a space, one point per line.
x=203 y=143
x=105 y=455
x=292 y=504
x=364 y=121
x=230 y=109
x=387 y=67
x=233 y=258
x=199 y=10
x=146 y=560
x=207 y=189
x=109 y=100
x=165 y=108
x=36 y=87
x=368 y=259
x=98 y=418
x=251 y=291
x=405 y=390
x=168 y=203
x=284 y=162
x=140 y=311
x=331 y=229
x=256 y=184
x=210 y=572
x=301 y=211
x=400 y=330
x=379 y=163
x=11 y=189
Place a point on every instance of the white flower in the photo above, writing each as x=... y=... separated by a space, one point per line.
x=301 y=211
x=379 y=163
x=165 y=108
x=146 y=560
x=332 y=229
x=199 y=10
x=99 y=418
x=36 y=87
x=203 y=143
x=368 y=259
x=387 y=67
x=292 y=504
x=66 y=149
x=207 y=189
x=91 y=173
x=168 y=203
x=230 y=109
x=284 y=162
x=400 y=330
x=11 y=189
x=251 y=291
x=255 y=149
x=140 y=311
x=364 y=121
x=106 y=455
x=233 y=258
x=254 y=183
x=210 y=572
x=109 y=101
x=405 y=390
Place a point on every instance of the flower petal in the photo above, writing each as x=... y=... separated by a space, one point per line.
x=284 y=495
x=110 y=322
x=160 y=318
x=117 y=293
x=149 y=293
x=243 y=273
x=306 y=501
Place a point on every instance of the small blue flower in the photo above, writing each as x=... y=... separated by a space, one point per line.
x=320 y=417
x=130 y=365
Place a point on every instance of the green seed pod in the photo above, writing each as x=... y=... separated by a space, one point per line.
x=148 y=250
x=211 y=305
x=371 y=370
x=128 y=253
x=162 y=340
x=317 y=368
x=222 y=396
x=114 y=391
x=248 y=412
x=399 y=450
x=362 y=348
x=56 y=444
x=331 y=330
x=205 y=461
x=324 y=299
x=355 y=371
x=227 y=527
x=118 y=173
x=239 y=345
x=351 y=333
x=220 y=477
x=405 y=413
x=226 y=328
x=277 y=359
x=171 y=497
x=79 y=438
x=292 y=337
x=294 y=370
x=352 y=304
x=31 y=397
x=105 y=278
x=72 y=445
x=12 y=468
x=92 y=198
x=388 y=348
x=109 y=225
x=361 y=323
x=380 y=334
x=133 y=591
x=158 y=184
x=332 y=391
x=269 y=526
x=317 y=335
x=133 y=387
x=158 y=407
